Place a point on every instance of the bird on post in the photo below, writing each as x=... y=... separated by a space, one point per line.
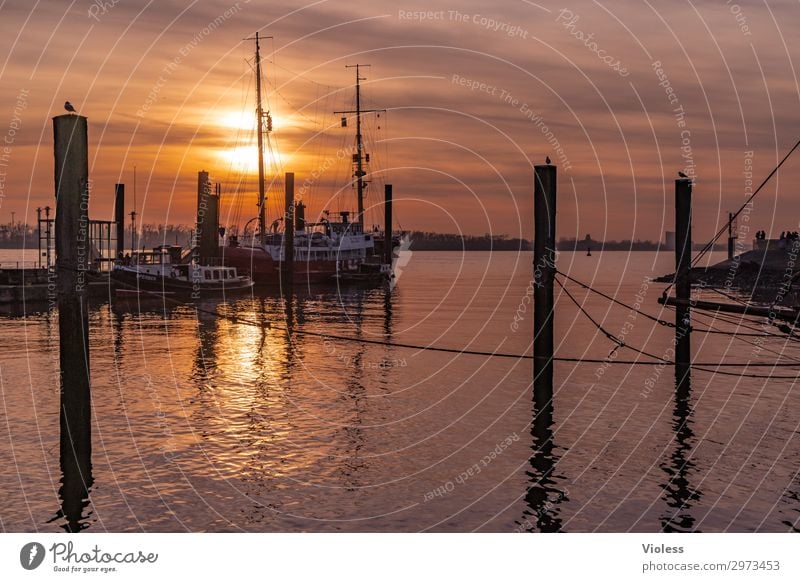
x=68 y=106
x=682 y=175
x=547 y=160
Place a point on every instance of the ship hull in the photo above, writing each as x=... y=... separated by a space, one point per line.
x=263 y=270
x=131 y=281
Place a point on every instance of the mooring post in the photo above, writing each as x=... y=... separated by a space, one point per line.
x=206 y=229
x=683 y=286
x=72 y=260
x=119 y=217
x=387 y=224
x=730 y=236
x=48 y=237
x=544 y=267
x=288 y=230
x=39 y=236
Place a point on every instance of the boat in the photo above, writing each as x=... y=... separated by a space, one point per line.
x=161 y=271
x=328 y=251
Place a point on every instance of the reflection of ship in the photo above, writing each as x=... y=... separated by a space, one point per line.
x=324 y=251
x=162 y=271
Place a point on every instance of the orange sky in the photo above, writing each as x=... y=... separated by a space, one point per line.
x=471 y=91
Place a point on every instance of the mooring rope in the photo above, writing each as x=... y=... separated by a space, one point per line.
x=655 y=360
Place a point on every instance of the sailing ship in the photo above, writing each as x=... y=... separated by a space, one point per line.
x=324 y=251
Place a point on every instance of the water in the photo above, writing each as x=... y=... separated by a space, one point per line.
x=201 y=423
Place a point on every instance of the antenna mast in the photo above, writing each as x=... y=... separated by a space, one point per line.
x=260 y=115
x=360 y=156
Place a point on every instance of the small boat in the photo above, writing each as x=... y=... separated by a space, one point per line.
x=159 y=272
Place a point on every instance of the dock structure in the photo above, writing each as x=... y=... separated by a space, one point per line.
x=72 y=264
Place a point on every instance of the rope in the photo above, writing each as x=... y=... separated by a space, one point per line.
x=669 y=323
x=710 y=244
x=607 y=333
x=615 y=300
x=727 y=295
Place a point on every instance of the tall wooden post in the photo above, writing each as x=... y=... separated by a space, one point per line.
x=387 y=224
x=72 y=260
x=288 y=230
x=544 y=254
x=119 y=217
x=683 y=286
x=48 y=237
x=39 y=236
x=730 y=236
x=207 y=230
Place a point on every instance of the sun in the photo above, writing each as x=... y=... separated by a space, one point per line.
x=241 y=158
x=239 y=120
x=244 y=158
x=246 y=120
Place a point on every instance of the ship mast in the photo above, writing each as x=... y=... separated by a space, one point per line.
x=360 y=156
x=260 y=115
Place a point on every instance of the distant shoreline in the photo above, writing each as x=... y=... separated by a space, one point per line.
x=22 y=237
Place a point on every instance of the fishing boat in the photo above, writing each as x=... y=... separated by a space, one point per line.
x=326 y=251
x=162 y=271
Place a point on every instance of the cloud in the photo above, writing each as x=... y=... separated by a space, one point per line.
x=188 y=65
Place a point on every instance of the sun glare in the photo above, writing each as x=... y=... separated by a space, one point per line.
x=239 y=120
x=245 y=159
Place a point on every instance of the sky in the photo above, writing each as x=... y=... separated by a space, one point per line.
x=620 y=95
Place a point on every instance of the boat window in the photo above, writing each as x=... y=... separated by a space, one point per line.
x=207 y=274
x=231 y=273
x=225 y=274
x=216 y=274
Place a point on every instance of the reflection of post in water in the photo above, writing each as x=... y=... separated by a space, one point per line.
x=116 y=328
x=355 y=397
x=387 y=313
x=543 y=496
x=72 y=256
x=208 y=334
x=680 y=496
x=289 y=297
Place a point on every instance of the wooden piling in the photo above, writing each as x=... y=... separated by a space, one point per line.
x=387 y=224
x=72 y=259
x=544 y=254
x=119 y=217
x=48 y=238
x=207 y=231
x=731 y=237
x=288 y=230
x=683 y=287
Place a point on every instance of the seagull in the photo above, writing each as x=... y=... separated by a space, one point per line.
x=547 y=160
x=682 y=175
x=68 y=106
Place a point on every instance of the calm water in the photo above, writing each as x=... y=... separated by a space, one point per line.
x=204 y=424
